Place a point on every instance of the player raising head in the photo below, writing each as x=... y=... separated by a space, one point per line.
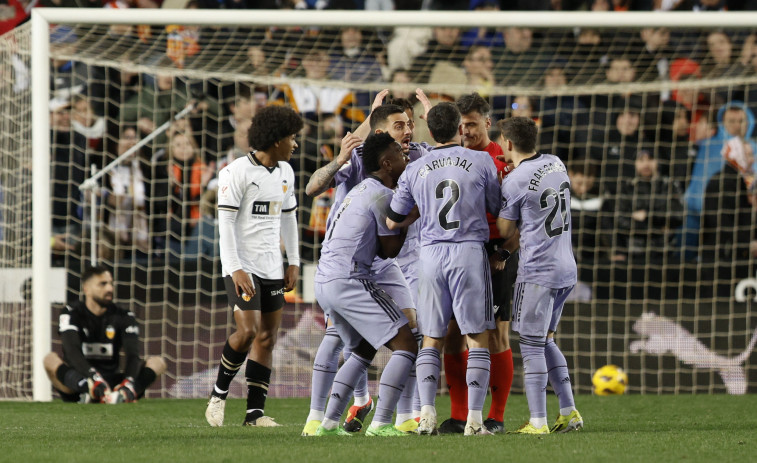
x=536 y=202
x=364 y=315
x=256 y=212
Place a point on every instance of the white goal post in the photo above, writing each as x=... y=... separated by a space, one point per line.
x=43 y=18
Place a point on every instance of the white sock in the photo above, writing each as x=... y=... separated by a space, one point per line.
x=329 y=424
x=376 y=424
x=566 y=411
x=402 y=417
x=315 y=415
x=416 y=414
x=428 y=410
x=538 y=423
x=474 y=416
x=361 y=400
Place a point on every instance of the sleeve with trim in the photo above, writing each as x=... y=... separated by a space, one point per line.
x=402 y=201
x=229 y=199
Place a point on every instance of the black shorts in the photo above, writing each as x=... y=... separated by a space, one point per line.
x=502 y=283
x=269 y=294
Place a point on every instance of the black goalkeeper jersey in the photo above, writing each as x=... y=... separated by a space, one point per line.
x=90 y=341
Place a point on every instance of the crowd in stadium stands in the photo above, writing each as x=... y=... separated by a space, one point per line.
x=657 y=178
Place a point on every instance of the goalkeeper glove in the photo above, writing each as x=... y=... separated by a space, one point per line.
x=97 y=386
x=127 y=390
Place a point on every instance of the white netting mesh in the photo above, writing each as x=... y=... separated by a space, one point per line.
x=600 y=97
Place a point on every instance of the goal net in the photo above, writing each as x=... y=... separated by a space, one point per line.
x=653 y=114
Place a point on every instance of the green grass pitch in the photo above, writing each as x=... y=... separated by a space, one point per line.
x=689 y=428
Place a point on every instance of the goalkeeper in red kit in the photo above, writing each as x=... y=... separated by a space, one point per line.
x=93 y=332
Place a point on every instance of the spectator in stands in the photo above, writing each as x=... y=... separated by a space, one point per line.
x=734 y=120
x=444 y=47
x=401 y=76
x=729 y=230
x=126 y=204
x=158 y=101
x=478 y=67
x=670 y=128
x=651 y=54
x=85 y=122
x=561 y=115
x=353 y=62
x=311 y=101
x=643 y=214
x=519 y=63
x=585 y=205
x=587 y=56
x=491 y=38
x=203 y=242
x=616 y=148
x=188 y=177
x=242 y=108
x=406 y=43
x=685 y=70
x=68 y=172
x=720 y=60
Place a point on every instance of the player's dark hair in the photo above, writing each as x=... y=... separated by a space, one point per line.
x=521 y=131
x=380 y=115
x=443 y=121
x=403 y=103
x=90 y=272
x=375 y=145
x=583 y=165
x=272 y=124
x=473 y=102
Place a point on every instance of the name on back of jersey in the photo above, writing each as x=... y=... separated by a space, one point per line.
x=544 y=170
x=450 y=161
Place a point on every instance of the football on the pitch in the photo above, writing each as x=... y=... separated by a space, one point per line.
x=609 y=380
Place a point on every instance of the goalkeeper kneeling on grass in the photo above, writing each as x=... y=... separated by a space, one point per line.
x=93 y=332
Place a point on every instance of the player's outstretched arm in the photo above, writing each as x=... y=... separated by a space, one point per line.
x=365 y=128
x=421 y=95
x=322 y=179
x=398 y=222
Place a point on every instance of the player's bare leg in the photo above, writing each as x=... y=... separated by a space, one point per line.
x=258 y=371
x=455 y=364
x=52 y=362
x=428 y=370
x=233 y=357
x=477 y=378
x=501 y=375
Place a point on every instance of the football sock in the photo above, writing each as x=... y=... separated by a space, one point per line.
x=535 y=375
x=427 y=369
x=454 y=372
x=477 y=378
x=71 y=378
x=500 y=382
x=231 y=362
x=344 y=385
x=361 y=388
x=391 y=385
x=143 y=380
x=475 y=416
x=559 y=377
x=405 y=404
x=258 y=378
x=416 y=395
x=325 y=365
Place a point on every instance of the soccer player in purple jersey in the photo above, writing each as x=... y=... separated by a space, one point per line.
x=536 y=202
x=364 y=315
x=345 y=172
x=453 y=188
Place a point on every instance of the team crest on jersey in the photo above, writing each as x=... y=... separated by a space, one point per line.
x=284 y=186
x=110 y=332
